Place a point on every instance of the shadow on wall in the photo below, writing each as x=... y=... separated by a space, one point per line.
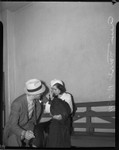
x=1 y=81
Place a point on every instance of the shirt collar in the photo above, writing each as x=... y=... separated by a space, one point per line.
x=29 y=101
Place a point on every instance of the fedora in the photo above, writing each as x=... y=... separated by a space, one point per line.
x=34 y=86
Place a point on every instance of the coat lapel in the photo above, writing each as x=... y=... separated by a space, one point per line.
x=25 y=105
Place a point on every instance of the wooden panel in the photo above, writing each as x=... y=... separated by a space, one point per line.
x=94 y=125
x=91 y=104
x=95 y=114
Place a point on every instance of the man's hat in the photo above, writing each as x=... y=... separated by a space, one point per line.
x=34 y=86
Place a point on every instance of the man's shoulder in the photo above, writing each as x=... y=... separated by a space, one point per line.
x=20 y=99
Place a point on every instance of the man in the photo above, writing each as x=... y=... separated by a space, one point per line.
x=25 y=111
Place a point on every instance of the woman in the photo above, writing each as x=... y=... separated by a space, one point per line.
x=58 y=90
x=60 y=109
x=59 y=129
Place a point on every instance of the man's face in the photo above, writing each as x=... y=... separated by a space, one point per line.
x=38 y=96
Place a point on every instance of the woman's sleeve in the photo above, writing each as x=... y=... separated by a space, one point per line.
x=67 y=110
x=68 y=99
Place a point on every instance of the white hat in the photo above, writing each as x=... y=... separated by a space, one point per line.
x=34 y=86
x=56 y=81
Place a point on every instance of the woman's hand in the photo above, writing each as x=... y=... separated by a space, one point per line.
x=58 y=117
x=51 y=97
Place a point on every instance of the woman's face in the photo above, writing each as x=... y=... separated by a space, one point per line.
x=55 y=91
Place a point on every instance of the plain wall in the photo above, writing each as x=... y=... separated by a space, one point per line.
x=64 y=40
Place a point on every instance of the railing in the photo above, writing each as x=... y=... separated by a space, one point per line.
x=90 y=126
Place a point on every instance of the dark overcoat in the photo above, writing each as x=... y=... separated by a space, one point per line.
x=59 y=130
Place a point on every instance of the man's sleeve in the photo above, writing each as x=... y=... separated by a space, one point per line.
x=14 y=118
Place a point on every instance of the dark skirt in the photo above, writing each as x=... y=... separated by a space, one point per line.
x=59 y=130
x=59 y=135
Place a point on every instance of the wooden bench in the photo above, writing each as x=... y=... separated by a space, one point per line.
x=108 y=116
x=90 y=137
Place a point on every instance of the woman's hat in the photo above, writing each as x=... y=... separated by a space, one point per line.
x=34 y=86
x=53 y=82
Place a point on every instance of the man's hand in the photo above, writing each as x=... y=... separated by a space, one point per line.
x=29 y=135
x=58 y=117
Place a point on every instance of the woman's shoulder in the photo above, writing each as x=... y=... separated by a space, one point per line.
x=66 y=95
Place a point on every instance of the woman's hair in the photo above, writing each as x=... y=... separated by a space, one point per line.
x=61 y=88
